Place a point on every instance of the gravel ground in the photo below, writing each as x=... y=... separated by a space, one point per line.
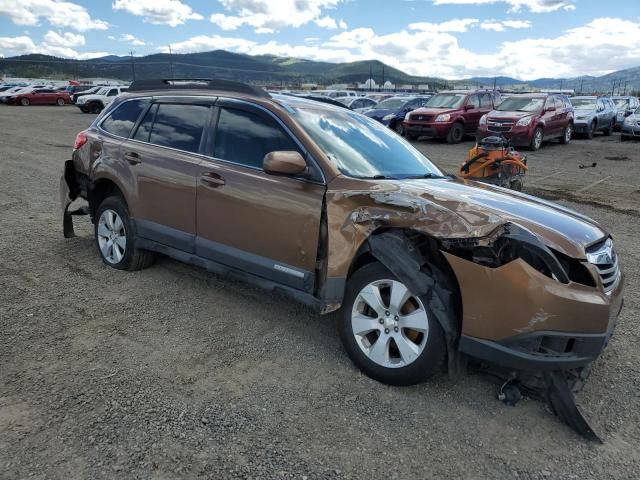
x=172 y=372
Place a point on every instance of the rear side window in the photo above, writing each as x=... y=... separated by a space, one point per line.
x=178 y=126
x=122 y=120
x=245 y=138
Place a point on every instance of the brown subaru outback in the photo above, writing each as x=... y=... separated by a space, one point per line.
x=331 y=208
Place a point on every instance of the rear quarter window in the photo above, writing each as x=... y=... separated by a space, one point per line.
x=179 y=126
x=122 y=120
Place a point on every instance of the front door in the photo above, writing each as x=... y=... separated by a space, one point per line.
x=472 y=115
x=247 y=219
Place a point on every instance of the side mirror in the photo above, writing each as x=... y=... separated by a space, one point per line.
x=469 y=107
x=284 y=163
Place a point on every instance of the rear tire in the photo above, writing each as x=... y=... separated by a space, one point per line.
x=566 y=136
x=456 y=133
x=115 y=237
x=381 y=345
x=60 y=102
x=608 y=131
x=25 y=102
x=399 y=128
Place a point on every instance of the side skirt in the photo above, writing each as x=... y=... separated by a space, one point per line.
x=223 y=270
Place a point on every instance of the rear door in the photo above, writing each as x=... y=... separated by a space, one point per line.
x=247 y=219
x=164 y=158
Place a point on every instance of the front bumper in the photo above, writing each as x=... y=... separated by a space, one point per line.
x=581 y=126
x=631 y=130
x=431 y=129
x=517 y=136
x=518 y=318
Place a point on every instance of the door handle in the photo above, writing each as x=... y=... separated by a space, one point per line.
x=212 y=179
x=132 y=157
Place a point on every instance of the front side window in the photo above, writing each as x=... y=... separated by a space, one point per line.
x=485 y=101
x=176 y=126
x=361 y=147
x=245 y=137
x=122 y=120
x=474 y=101
x=112 y=93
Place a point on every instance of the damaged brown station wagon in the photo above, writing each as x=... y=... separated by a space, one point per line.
x=334 y=210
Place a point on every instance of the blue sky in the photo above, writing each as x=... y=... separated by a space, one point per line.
x=448 y=38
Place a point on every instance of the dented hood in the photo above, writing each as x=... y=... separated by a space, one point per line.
x=454 y=208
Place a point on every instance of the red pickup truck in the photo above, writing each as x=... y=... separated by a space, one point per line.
x=451 y=115
x=40 y=96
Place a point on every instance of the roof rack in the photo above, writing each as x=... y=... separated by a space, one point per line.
x=196 y=84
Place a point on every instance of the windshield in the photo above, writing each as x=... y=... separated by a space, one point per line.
x=584 y=103
x=515 y=104
x=102 y=91
x=363 y=148
x=391 y=104
x=446 y=100
x=622 y=103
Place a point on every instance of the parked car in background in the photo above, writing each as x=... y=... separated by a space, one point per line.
x=528 y=120
x=359 y=104
x=378 y=97
x=336 y=93
x=39 y=96
x=95 y=102
x=593 y=114
x=391 y=112
x=450 y=115
x=625 y=106
x=631 y=126
x=89 y=91
x=7 y=94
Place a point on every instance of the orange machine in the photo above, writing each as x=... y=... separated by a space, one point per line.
x=493 y=161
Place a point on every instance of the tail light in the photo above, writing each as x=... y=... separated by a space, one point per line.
x=81 y=139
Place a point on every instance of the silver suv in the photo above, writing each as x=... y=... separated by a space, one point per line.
x=593 y=114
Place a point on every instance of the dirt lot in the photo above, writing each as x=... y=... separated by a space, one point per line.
x=172 y=372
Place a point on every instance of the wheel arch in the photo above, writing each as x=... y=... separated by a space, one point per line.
x=102 y=188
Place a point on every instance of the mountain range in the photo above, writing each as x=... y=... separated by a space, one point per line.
x=284 y=71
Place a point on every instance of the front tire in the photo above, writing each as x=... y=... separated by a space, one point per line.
x=399 y=128
x=389 y=333
x=95 y=107
x=60 y=102
x=24 y=102
x=536 y=140
x=456 y=133
x=592 y=130
x=115 y=237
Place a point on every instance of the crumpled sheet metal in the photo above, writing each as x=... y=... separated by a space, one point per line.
x=354 y=215
x=516 y=298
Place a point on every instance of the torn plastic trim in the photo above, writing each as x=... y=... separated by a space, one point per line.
x=506 y=244
x=70 y=190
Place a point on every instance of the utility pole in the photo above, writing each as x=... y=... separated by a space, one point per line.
x=383 y=75
x=370 y=82
x=625 y=88
x=133 y=67
x=171 y=61
x=494 y=82
x=561 y=81
x=581 y=83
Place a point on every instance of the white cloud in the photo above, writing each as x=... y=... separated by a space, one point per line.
x=273 y=15
x=161 y=12
x=596 y=48
x=501 y=26
x=56 y=12
x=133 y=40
x=53 y=43
x=535 y=6
x=67 y=39
x=455 y=25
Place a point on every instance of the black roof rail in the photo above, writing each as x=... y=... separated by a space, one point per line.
x=196 y=84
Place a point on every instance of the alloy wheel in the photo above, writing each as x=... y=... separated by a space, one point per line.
x=112 y=237
x=390 y=325
x=538 y=139
x=567 y=133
